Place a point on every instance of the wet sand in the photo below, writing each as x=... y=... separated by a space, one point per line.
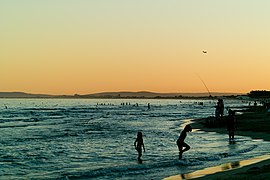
x=255 y=123
x=246 y=169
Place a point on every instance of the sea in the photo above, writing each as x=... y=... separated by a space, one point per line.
x=94 y=138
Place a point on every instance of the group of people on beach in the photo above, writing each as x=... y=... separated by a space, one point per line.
x=182 y=145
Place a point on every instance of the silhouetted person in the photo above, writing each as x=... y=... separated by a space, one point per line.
x=180 y=142
x=139 y=145
x=219 y=109
x=148 y=105
x=217 y=112
x=231 y=124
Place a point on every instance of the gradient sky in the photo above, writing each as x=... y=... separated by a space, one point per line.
x=87 y=46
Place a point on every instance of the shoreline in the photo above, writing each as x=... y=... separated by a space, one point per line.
x=254 y=123
x=231 y=170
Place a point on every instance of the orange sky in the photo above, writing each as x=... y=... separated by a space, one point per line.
x=68 y=47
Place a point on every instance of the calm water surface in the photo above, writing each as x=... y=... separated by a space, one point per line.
x=93 y=138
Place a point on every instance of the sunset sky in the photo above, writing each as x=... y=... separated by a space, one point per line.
x=88 y=46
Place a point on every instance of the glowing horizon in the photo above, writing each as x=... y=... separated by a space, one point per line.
x=82 y=47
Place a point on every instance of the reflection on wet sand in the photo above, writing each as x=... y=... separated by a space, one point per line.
x=232 y=165
x=215 y=169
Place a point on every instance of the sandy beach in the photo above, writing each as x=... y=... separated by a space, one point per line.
x=253 y=122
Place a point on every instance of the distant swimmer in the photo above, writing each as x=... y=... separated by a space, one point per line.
x=204 y=52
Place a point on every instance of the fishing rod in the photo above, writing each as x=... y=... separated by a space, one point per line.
x=205 y=86
x=207 y=90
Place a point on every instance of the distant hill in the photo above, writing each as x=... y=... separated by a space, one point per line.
x=146 y=94
x=23 y=95
x=121 y=94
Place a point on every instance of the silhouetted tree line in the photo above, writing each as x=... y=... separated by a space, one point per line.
x=259 y=94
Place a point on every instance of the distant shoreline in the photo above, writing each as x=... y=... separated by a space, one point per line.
x=125 y=95
x=203 y=98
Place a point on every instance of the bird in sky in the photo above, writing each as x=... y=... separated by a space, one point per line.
x=204 y=51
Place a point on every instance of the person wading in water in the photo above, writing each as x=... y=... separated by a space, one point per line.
x=180 y=142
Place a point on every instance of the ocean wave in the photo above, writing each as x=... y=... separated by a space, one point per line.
x=151 y=165
x=130 y=170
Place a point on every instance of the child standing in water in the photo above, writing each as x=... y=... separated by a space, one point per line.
x=180 y=142
x=139 y=145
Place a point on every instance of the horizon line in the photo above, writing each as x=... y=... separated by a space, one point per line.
x=124 y=91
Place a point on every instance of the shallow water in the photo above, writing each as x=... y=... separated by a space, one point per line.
x=93 y=138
